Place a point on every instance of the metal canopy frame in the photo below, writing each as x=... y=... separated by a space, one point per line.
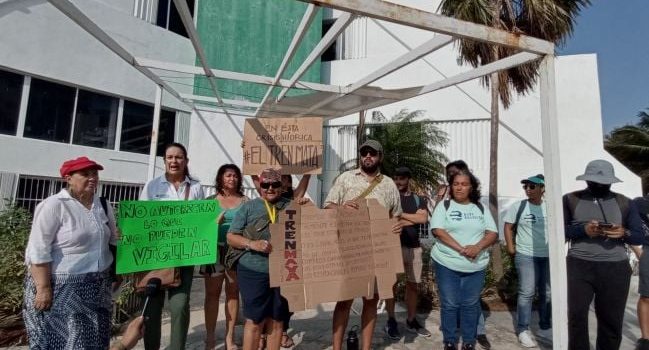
x=325 y=99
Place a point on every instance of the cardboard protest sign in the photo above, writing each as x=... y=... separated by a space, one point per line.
x=291 y=145
x=326 y=255
x=162 y=234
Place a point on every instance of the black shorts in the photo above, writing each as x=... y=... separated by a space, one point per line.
x=259 y=300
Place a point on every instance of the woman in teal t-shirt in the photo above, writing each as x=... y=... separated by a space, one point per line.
x=229 y=193
x=464 y=231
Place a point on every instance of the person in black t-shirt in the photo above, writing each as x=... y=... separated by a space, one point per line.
x=415 y=213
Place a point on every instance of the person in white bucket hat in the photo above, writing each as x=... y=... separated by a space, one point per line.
x=598 y=224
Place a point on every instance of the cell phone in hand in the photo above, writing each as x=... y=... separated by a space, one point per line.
x=604 y=225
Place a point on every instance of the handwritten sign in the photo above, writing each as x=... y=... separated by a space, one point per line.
x=326 y=255
x=291 y=145
x=162 y=234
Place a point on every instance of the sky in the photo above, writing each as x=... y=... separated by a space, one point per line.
x=618 y=32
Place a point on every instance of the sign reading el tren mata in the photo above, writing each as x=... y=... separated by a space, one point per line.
x=290 y=145
x=162 y=234
x=326 y=255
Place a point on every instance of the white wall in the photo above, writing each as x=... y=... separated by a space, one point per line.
x=38 y=40
x=41 y=41
x=521 y=145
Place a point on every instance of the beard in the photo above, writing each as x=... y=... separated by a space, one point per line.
x=369 y=169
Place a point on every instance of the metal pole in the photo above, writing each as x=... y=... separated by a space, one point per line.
x=154 y=133
x=553 y=195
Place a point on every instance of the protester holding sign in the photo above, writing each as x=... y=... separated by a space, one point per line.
x=350 y=187
x=249 y=237
x=175 y=184
x=464 y=231
x=229 y=194
x=527 y=242
x=68 y=280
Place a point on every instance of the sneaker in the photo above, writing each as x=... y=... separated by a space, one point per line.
x=450 y=346
x=468 y=347
x=642 y=344
x=483 y=341
x=526 y=340
x=415 y=327
x=392 y=330
x=544 y=334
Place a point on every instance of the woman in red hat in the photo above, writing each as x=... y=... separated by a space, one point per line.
x=67 y=288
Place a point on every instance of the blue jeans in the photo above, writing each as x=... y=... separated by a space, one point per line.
x=459 y=291
x=533 y=276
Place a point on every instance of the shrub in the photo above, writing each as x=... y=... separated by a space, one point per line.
x=15 y=224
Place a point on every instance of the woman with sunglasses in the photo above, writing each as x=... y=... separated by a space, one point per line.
x=263 y=306
x=527 y=241
x=229 y=194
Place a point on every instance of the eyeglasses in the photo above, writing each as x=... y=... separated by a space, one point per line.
x=530 y=186
x=267 y=185
x=365 y=151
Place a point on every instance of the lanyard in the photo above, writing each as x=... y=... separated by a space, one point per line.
x=271 y=213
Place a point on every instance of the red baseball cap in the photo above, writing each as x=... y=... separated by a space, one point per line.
x=72 y=165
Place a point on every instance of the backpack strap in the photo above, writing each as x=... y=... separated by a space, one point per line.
x=480 y=206
x=623 y=203
x=104 y=204
x=519 y=213
x=447 y=203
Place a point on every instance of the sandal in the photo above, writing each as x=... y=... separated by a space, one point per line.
x=262 y=342
x=287 y=341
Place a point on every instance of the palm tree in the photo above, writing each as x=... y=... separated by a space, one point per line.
x=551 y=20
x=407 y=142
x=630 y=145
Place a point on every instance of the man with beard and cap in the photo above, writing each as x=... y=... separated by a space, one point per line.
x=598 y=224
x=348 y=190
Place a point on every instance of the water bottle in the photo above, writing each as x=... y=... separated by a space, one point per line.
x=352 y=339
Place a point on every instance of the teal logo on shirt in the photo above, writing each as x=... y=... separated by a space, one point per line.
x=531 y=218
x=455 y=215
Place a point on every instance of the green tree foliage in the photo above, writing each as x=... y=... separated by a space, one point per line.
x=411 y=143
x=630 y=145
x=15 y=224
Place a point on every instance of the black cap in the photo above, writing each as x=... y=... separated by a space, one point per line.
x=373 y=144
x=403 y=171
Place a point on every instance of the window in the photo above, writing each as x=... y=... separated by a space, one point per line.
x=49 y=111
x=169 y=18
x=330 y=53
x=11 y=90
x=166 y=130
x=136 y=127
x=96 y=120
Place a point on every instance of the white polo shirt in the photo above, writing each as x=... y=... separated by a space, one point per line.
x=159 y=189
x=71 y=237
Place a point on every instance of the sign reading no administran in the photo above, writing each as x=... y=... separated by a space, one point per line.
x=162 y=234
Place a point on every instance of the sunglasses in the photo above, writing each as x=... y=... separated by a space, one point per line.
x=364 y=152
x=267 y=185
x=530 y=186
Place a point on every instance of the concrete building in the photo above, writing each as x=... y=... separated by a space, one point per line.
x=63 y=94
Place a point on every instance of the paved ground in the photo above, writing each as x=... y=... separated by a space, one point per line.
x=312 y=329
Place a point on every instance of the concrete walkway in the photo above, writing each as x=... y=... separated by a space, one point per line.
x=312 y=329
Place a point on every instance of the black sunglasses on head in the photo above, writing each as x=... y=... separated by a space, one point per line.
x=365 y=151
x=267 y=185
x=530 y=186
